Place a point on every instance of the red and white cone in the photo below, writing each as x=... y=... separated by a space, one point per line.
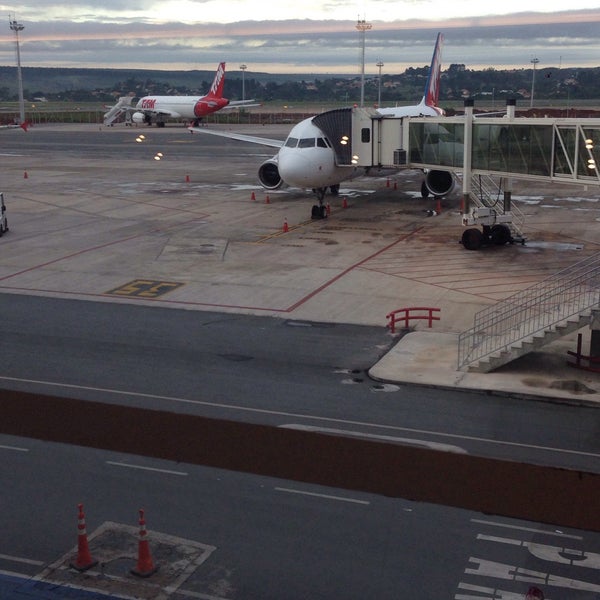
x=145 y=567
x=84 y=560
x=285 y=226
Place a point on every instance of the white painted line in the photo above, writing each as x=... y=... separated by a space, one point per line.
x=191 y=594
x=325 y=496
x=556 y=532
x=302 y=416
x=141 y=468
x=26 y=561
x=373 y=436
x=15 y=448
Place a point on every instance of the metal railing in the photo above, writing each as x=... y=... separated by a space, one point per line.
x=537 y=309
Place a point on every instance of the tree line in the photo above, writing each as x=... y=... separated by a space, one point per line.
x=457 y=83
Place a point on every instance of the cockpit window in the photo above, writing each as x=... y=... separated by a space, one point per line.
x=291 y=142
x=322 y=143
x=306 y=143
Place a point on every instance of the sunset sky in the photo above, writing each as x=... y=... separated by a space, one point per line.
x=300 y=37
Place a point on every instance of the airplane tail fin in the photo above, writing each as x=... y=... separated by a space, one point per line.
x=216 y=89
x=432 y=87
x=25 y=125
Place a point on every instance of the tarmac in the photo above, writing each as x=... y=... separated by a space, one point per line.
x=118 y=227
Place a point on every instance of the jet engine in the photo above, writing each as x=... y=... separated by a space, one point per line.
x=138 y=117
x=268 y=174
x=438 y=183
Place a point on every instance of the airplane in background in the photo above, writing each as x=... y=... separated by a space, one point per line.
x=157 y=109
x=306 y=159
x=24 y=126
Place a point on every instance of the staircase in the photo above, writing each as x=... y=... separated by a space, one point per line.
x=532 y=318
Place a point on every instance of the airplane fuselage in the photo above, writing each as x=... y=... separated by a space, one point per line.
x=183 y=107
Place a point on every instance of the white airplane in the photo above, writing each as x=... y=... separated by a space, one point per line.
x=307 y=158
x=24 y=126
x=159 y=108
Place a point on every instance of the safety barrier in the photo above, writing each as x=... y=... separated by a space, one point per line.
x=581 y=361
x=406 y=314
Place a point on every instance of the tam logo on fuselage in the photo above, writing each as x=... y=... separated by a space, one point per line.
x=149 y=103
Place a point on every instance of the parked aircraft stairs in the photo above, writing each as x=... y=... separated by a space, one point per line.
x=532 y=318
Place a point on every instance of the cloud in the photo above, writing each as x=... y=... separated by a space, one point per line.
x=309 y=46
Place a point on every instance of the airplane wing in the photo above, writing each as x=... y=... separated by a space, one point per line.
x=239 y=136
x=242 y=103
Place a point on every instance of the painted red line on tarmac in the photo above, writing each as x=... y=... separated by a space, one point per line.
x=85 y=251
x=192 y=303
x=351 y=268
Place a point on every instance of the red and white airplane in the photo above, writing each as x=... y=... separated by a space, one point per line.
x=158 y=109
x=307 y=158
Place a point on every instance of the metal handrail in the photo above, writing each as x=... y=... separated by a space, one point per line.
x=541 y=307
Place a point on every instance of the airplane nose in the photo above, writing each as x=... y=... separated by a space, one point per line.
x=297 y=170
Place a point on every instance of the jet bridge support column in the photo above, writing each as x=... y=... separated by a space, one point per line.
x=510 y=113
x=467 y=147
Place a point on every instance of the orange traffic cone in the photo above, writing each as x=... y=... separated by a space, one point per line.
x=285 y=226
x=25 y=176
x=252 y=196
x=145 y=567
x=438 y=206
x=395 y=185
x=344 y=203
x=187 y=178
x=328 y=209
x=267 y=200
x=84 y=560
x=387 y=183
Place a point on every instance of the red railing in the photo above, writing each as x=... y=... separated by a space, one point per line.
x=413 y=312
x=587 y=363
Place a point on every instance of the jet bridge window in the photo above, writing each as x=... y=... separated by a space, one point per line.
x=365 y=135
x=291 y=142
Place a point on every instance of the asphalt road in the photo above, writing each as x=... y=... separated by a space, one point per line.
x=272 y=371
x=269 y=538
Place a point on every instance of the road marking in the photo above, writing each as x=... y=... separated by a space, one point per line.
x=374 y=436
x=141 y=468
x=300 y=416
x=14 y=448
x=530 y=529
x=325 y=496
x=145 y=288
x=19 y=559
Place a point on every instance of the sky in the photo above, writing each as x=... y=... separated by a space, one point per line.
x=313 y=36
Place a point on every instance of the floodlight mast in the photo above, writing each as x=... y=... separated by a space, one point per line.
x=243 y=70
x=534 y=62
x=16 y=27
x=362 y=27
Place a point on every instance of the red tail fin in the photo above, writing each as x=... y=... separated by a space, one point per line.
x=432 y=88
x=216 y=89
x=25 y=125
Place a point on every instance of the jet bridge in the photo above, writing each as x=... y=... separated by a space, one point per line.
x=472 y=149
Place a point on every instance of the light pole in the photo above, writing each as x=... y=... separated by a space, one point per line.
x=16 y=27
x=379 y=64
x=243 y=70
x=362 y=26
x=534 y=61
